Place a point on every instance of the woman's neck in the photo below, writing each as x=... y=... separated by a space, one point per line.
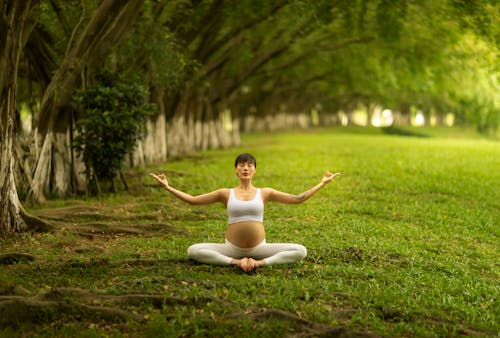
x=245 y=185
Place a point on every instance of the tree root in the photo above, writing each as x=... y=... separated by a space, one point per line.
x=79 y=212
x=36 y=224
x=59 y=303
x=91 y=221
x=14 y=258
x=96 y=228
x=20 y=310
x=157 y=301
x=305 y=327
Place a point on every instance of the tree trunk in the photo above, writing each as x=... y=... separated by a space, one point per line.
x=198 y=126
x=180 y=140
x=104 y=31
x=11 y=211
x=176 y=136
x=153 y=148
x=11 y=27
x=369 y=112
x=403 y=116
x=15 y=27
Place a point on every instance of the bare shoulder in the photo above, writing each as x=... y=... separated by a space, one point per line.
x=267 y=193
x=224 y=194
x=219 y=195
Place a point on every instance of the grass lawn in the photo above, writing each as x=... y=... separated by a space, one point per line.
x=404 y=243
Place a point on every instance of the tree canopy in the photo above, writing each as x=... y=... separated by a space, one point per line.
x=297 y=53
x=211 y=67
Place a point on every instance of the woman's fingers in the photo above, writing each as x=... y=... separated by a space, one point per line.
x=158 y=177
x=330 y=175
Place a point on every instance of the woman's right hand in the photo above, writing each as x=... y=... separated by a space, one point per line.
x=162 y=179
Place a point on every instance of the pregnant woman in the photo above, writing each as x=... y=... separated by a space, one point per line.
x=245 y=244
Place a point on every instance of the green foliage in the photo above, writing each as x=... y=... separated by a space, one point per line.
x=154 y=47
x=390 y=17
x=300 y=53
x=114 y=115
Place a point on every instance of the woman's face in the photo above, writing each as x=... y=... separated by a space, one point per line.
x=245 y=170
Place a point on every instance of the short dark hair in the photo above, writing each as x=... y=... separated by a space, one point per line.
x=245 y=157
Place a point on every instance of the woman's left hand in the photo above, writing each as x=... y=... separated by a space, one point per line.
x=328 y=177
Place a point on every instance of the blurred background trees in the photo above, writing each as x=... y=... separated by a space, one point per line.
x=215 y=68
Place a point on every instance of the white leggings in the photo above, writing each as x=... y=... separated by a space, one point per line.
x=221 y=254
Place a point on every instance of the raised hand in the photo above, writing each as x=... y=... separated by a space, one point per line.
x=328 y=177
x=162 y=179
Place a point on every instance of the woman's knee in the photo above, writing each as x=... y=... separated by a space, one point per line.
x=301 y=251
x=193 y=251
x=207 y=253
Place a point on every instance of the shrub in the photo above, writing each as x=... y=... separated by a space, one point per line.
x=113 y=118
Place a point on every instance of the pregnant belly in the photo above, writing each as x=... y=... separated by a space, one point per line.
x=245 y=234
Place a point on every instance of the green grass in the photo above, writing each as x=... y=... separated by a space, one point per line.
x=404 y=243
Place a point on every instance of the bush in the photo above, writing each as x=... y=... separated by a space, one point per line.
x=113 y=118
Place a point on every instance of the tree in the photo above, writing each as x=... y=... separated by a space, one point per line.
x=247 y=57
x=113 y=119
x=55 y=167
x=17 y=20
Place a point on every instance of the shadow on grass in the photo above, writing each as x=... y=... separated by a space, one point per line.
x=392 y=130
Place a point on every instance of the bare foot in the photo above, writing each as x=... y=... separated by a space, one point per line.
x=248 y=264
x=243 y=264
x=253 y=264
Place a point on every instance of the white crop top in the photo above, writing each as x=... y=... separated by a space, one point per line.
x=239 y=211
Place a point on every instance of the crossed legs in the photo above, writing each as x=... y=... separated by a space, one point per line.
x=247 y=258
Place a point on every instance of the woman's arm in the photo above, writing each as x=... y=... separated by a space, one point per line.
x=208 y=198
x=272 y=195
